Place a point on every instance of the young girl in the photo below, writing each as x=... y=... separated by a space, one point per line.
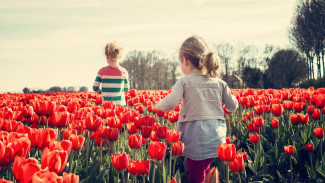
x=114 y=78
x=201 y=119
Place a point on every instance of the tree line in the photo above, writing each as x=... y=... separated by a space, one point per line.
x=57 y=89
x=267 y=67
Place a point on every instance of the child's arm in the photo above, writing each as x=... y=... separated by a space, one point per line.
x=96 y=85
x=229 y=100
x=171 y=100
x=126 y=84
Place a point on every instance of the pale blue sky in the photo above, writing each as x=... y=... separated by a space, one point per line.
x=60 y=43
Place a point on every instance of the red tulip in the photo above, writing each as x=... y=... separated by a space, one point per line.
x=65 y=145
x=304 y=118
x=277 y=109
x=226 y=152
x=109 y=105
x=295 y=118
x=93 y=122
x=319 y=133
x=146 y=131
x=309 y=147
x=27 y=172
x=55 y=160
x=135 y=141
x=316 y=114
x=244 y=154
x=70 y=178
x=148 y=120
x=237 y=165
x=289 y=150
x=21 y=146
x=99 y=100
x=244 y=119
x=299 y=106
x=46 y=176
x=45 y=136
x=228 y=140
x=252 y=127
x=161 y=131
x=172 y=136
x=5 y=181
x=2 y=149
x=48 y=108
x=258 y=121
x=310 y=109
x=120 y=161
x=28 y=111
x=77 y=142
x=213 y=176
x=19 y=167
x=178 y=149
x=274 y=123
x=60 y=119
x=254 y=138
x=287 y=104
x=139 y=167
x=111 y=134
x=258 y=110
x=157 y=150
x=73 y=107
x=320 y=101
x=132 y=129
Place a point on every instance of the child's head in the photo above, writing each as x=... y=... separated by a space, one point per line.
x=198 y=52
x=113 y=50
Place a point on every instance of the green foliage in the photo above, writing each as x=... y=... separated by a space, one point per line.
x=316 y=83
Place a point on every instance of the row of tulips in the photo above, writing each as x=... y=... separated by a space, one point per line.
x=100 y=142
x=79 y=135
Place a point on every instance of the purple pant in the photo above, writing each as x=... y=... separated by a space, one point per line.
x=198 y=169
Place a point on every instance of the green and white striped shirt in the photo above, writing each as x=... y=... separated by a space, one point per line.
x=114 y=82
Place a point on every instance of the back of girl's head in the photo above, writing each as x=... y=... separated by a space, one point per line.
x=196 y=50
x=113 y=50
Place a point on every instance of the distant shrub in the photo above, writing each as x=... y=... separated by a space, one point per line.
x=316 y=83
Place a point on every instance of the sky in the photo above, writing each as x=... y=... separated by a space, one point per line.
x=61 y=43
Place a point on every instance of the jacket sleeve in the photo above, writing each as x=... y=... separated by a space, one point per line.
x=228 y=99
x=172 y=100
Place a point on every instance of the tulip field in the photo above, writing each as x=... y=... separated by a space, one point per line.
x=276 y=135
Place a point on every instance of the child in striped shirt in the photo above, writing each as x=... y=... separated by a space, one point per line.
x=112 y=78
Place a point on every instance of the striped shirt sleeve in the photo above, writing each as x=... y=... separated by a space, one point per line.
x=97 y=82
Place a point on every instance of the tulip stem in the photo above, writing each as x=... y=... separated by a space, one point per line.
x=101 y=149
x=321 y=150
x=170 y=161
x=47 y=122
x=311 y=160
x=239 y=179
x=123 y=177
x=227 y=172
x=174 y=165
x=291 y=169
x=143 y=179
x=71 y=159
x=153 y=173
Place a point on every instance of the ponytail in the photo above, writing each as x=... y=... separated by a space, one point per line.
x=210 y=63
x=201 y=56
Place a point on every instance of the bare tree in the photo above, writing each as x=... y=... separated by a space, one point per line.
x=226 y=52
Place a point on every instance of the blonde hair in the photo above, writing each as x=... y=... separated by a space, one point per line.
x=196 y=50
x=113 y=50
